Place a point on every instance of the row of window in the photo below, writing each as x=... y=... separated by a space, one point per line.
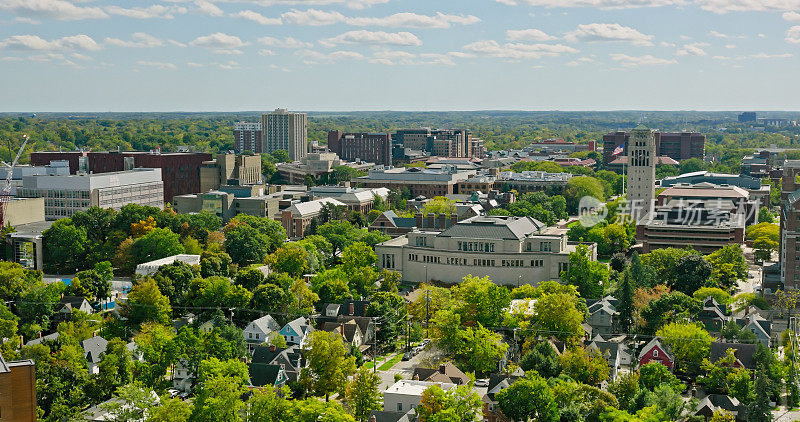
x=476 y=246
x=388 y=261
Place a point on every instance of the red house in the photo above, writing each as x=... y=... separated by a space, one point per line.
x=654 y=351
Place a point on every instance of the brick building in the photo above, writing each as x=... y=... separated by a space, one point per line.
x=789 y=249
x=441 y=142
x=179 y=171
x=425 y=182
x=676 y=145
x=17 y=390
x=370 y=147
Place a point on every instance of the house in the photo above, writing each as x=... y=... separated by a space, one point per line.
x=383 y=416
x=258 y=331
x=150 y=268
x=719 y=402
x=655 y=351
x=93 y=348
x=349 y=329
x=17 y=390
x=447 y=373
x=289 y=359
x=40 y=340
x=753 y=321
x=744 y=353
x=182 y=377
x=602 y=316
x=266 y=375
x=714 y=315
x=497 y=383
x=68 y=304
x=616 y=353
x=181 y=322
x=295 y=331
x=206 y=327
x=405 y=395
x=391 y=225
x=136 y=354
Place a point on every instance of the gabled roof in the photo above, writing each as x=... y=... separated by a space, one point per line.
x=266 y=324
x=743 y=352
x=450 y=371
x=262 y=374
x=298 y=325
x=312 y=208
x=93 y=347
x=385 y=416
x=49 y=337
x=655 y=342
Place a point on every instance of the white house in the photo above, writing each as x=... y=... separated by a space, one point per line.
x=258 y=331
x=405 y=395
x=92 y=349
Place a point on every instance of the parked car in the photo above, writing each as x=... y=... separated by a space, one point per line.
x=408 y=355
x=173 y=392
x=482 y=382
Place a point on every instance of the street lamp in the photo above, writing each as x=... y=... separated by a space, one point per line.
x=519 y=280
x=426 y=273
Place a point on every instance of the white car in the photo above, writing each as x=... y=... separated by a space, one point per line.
x=482 y=383
x=173 y=392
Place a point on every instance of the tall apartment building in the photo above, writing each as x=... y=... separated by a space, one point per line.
x=790 y=225
x=748 y=117
x=676 y=145
x=370 y=147
x=66 y=195
x=441 y=142
x=284 y=130
x=180 y=171
x=247 y=137
x=641 y=171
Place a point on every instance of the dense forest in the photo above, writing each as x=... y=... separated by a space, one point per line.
x=212 y=132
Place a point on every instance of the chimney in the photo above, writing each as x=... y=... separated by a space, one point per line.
x=430 y=223
x=441 y=224
x=441 y=369
x=352 y=309
x=341 y=329
x=416 y=377
x=271 y=347
x=39 y=334
x=418 y=220
x=21 y=341
x=453 y=219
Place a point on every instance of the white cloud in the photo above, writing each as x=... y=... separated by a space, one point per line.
x=314 y=17
x=29 y=21
x=724 y=6
x=404 y=58
x=266 y=52
x=602 y=32
x=157 y=65
x=315 y=57
x=791 y=16
x=81 y=57
x=517 y=50
x=666 y=44
x=581 y=61
x=693 y=49
x=231 y=65
x=528 y=35
x=724 y=36
x=287 y=42
x=414 y=20
x=257 y=18
x=771 y=56
x=139 y=39
x=730 y=46
x=600 y=4
x=51 y=9
x=194 y=64
x=352 y=4
x=155 y=11
x=220 y=43
x=793 y=35
x=207 y=8
x=373 y=37
x=177 y=43
x=646 y=60
x=461 y=55
x=34 y=42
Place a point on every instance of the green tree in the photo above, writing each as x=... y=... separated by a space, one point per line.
x=558 y=315
x=456 y=404
x=585 y=366
x=271 y=298
x=339 y=234
x=579 y=187
x=219 y=400
x=217 y=292
x=171 y=410
x=653 y=374
x=362 y=394
x=439 y=205
x=764 y=248
x=157 y=244
x=290 y=259
x=587 y=275
x=691 y=274
x=689 y=342
x=115 y=368
x=664 y=263
x=328 y=367
x=135 y=403
x=625 y=291
x=64 y=247
x=155 y=343
x=765 y=216
x=728 y=266
x=15 y=280
x=543 y=359
x=759 y=409
x=626 y=389
x=146 y=304
x=528 y=398
x=479 y=300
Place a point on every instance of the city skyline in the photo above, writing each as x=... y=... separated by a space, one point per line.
x=60 y=55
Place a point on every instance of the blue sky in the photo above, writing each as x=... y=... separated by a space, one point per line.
x=232 y=55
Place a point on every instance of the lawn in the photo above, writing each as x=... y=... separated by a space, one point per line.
x=391 y=362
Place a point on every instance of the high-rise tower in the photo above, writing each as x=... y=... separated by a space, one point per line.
x=641 y=170
x=284 y=130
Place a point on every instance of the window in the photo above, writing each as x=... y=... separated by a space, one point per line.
x=655 y=353
x=545 y=247
x=249 y=335
x=399 y=407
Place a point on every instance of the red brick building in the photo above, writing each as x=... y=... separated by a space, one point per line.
x=676 y=145
x=370 y=147
x=179 y=171
x=17 y=390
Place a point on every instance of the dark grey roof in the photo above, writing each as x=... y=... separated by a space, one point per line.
x=3 y=366
x=93 y=347
x=743 y=352
x=382 y=416
x=494 y=227
x=49 y=337
x=263 y=374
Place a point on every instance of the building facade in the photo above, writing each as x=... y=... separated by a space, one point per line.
x=287 y=131
x=790 y=225
x=441 y=142
x=371 y=147
x=425 y=182
x=315 y=165
x=180 y=172
x=641 y=171
x=509 y=250
x=229 y=169
x=17 y=390
x=676 y=145
x=66 y=195
x=298 y=217
x=248 y=137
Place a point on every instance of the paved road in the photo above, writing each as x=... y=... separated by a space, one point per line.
x=404 y=368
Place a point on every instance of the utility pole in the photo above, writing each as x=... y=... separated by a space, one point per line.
x=428 y=312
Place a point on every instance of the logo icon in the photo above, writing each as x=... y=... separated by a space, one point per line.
x=591 y=211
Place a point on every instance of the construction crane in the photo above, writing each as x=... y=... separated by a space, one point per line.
x=5 y=194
